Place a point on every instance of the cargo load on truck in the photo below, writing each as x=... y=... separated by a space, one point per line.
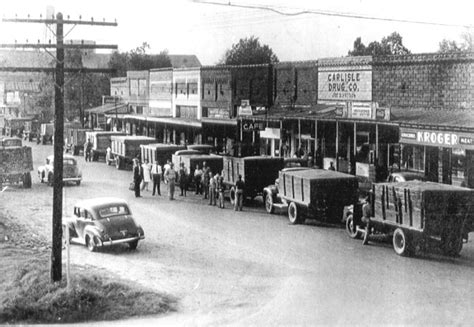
x=214 y=162
x=101 y=140
x=126 y=148
x=160 y=152
x=419 y=215
x=16 y=162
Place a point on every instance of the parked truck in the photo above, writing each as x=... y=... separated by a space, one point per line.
x=418 y=215
x=312 y=193
x=160 y=152
x=126 y=148
x=75 y=139
x=101 y=140
x=256 y=171
x=16 y=162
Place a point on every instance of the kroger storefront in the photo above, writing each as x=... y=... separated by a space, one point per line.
x=445 y=155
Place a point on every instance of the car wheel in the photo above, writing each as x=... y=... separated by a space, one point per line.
x=293 y=214
x=133 y=245
x=91 y=243
x=401 y=244
x=351 y=228
x=269 y=203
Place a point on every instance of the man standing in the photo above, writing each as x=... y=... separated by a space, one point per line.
x=183 y=179
x=220 y=190
x=156 y=173
x=205 y=179
x=137 y=176
x=87 y=150
x=197 y=179
x=366 y=214
x=212 y=189
x=170 y=177
x=239 y=194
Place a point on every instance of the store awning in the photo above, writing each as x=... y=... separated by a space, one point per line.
x=108 y=108
x=214 y=121
x=442 y=119
x=166 y=120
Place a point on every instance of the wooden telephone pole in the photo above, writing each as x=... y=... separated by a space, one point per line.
x=56 y=253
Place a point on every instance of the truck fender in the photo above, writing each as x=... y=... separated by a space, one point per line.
x=232 y=195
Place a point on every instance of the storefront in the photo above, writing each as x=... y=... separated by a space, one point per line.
x=444 y=155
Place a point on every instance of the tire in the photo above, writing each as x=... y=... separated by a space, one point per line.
x=90 y=244
x=94 y=155
x=269 y=203
x=401 y=243
x=133 y=245
x=78 y=183
x=351 y=228
x=294 y=216
x=452 y=246
x=27 y=180
x=232 y=195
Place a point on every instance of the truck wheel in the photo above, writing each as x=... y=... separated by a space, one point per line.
x=232 y=195
x=351 y=228
x=293 y=214
x=117 y=162
x=401 y=244
x=269 y=203
x=452 y=246
x=27 y=180
x=94 y=155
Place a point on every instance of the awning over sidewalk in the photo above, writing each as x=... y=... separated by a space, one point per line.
x=166 y=120
x=108 y=108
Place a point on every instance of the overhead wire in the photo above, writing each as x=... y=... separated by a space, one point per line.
x=302 y=12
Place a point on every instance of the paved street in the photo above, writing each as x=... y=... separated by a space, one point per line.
x=251 y=268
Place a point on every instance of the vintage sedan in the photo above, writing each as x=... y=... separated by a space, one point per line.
x=71 y=172
x=103 y=222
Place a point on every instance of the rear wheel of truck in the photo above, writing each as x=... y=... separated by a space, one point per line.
x=232 y=195
x=27 y=180
x=401 y=243
x=269 y=203
x=351 y=228
x=293 y=214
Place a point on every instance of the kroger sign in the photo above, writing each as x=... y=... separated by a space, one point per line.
x=436 y=138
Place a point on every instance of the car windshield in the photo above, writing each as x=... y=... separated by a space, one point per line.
x=113 y=210
x=68 y=161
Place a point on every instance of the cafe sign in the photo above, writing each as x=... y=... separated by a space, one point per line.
x=437 y=138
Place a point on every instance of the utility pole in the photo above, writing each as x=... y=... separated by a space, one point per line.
x=56 y=253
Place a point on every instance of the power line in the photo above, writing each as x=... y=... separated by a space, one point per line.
x=328 y=13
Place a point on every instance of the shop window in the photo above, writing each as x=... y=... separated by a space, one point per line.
x=413 y=158
x=458 y=160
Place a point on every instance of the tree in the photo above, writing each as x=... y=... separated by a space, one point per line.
x=249 y=51
x=390 y=45
x=466 y=45
x=138 y=59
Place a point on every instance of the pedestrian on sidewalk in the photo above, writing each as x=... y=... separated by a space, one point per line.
x=146 y=175
x=137 y=176
x=205 y=180
x=156 y=174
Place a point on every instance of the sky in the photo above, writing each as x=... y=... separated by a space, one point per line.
x=192 y=27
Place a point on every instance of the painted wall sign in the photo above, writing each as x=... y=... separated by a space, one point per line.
x=437 y=138
x=245 y=109
x=337 y=84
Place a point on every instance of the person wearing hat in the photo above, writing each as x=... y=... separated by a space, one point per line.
x=366 y=214
x=183 y=179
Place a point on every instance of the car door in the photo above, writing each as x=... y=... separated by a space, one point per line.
x=83 y=218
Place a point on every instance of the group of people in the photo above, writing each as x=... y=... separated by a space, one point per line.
x=210 y=186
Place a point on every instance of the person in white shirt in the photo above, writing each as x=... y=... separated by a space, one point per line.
x=146 y=175
x=156 y=174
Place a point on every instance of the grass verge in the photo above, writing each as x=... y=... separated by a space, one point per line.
x=33 y=298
